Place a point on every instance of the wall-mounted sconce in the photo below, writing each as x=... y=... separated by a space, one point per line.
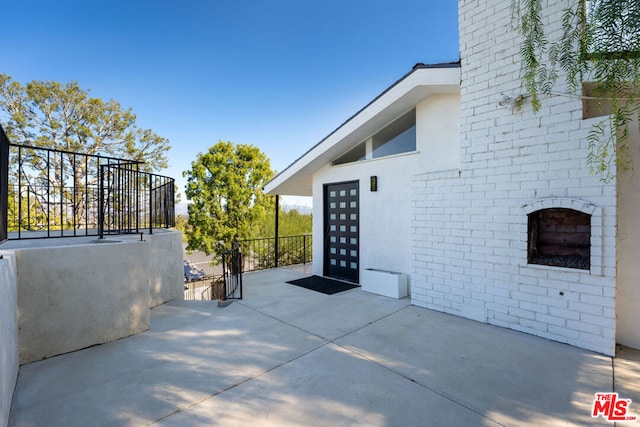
x=508 y=101
x=505 y=101
x=373 y=181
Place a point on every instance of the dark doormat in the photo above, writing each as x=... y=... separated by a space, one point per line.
x=323 y=284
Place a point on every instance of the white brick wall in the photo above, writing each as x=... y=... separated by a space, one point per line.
x=469 y=226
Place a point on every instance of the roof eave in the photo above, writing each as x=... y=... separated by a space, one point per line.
x=421 y=82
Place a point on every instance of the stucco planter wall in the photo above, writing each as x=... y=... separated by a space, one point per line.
x=166 y=272
x=75 y=293
x=77 y=296
x=8 y=338
x=72 y=296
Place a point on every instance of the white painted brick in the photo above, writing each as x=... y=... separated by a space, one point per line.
x=597 y=343
x=552 y=301
x=525 y=297
x=608 y=332
x=596 y=300
x=522 y=314
x=584 y=327
x=470 y=230
x=532 y=326
x=533 y=289
x=579 y=307
x=551 y=320
x=505 y=319
x=563 y=331
x=564 y=313
x=589 y=319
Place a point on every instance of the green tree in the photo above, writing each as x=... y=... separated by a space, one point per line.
x=290 y=223
x=32 y=215
x=225 y=187
x=182 y=225
x=64 y=117
x=291 y=248
x=599 y=42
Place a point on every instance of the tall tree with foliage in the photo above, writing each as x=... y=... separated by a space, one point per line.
x=225 y=187
x=290 y=223
x=599 y=42
x=293 y=246
x=64 y=117
x=48 y=114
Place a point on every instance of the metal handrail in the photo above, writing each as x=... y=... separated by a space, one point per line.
x=59 y=193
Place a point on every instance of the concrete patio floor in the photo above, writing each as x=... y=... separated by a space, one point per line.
x=287 y=356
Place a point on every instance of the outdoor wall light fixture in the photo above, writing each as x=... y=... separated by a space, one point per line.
x=373 y=181
x=509 y=101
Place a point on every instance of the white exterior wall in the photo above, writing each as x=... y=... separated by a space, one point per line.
x=385 y=218
x=437 y=129
x=628 y=244
x=385 y=229
x=8 y=337
x=469 y=225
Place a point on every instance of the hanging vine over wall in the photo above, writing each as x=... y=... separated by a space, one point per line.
x=599 y=43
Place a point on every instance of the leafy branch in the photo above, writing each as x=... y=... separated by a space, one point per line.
x=599 y=43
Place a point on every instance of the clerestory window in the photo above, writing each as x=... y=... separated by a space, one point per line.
x=398 y=137
x=395 y=138
x=354 y=155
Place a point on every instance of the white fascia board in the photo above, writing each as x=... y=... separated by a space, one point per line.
x=296 y=179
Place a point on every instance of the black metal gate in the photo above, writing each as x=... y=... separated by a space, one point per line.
x=119 y=191
x=232 y=274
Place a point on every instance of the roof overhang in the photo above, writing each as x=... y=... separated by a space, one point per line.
x=423 y=81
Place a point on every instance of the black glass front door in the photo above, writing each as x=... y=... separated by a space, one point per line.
x=341 y=235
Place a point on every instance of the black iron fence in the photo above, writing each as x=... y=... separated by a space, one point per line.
x=4 y=183
x=254 y=254
x=55 y=193
x=133 y=201
x=260 y=254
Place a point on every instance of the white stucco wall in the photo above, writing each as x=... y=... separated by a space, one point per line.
x=470 y=224
x=8 y=337
x=385 y=217
x=437 y=128
x=628 y=245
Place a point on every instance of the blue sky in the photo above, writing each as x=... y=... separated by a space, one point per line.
x=278 y=74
